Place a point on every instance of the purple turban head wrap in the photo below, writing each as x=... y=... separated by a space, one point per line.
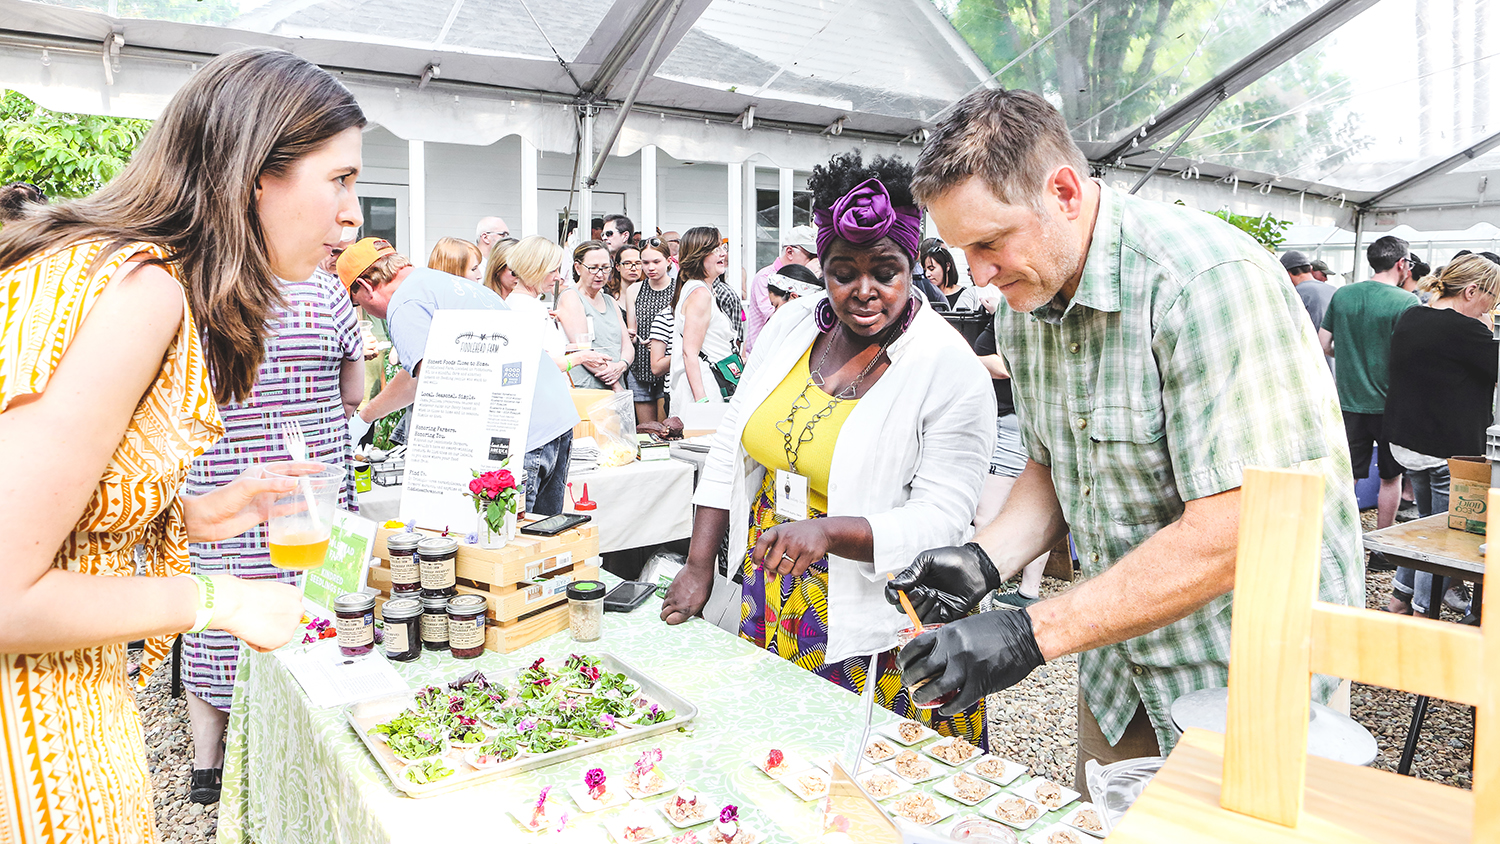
x=865 y=215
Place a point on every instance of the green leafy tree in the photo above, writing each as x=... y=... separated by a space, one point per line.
x=181 y=11
x=1121 y=61
x=1267 y=230
x=63 y=154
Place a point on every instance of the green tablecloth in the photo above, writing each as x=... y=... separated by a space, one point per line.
x=298 y=774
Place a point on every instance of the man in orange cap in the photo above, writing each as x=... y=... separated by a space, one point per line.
x=387 y=285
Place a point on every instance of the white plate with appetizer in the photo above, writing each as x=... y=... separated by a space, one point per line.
x=808 y=783
x=953 y=751
x=656 y=781
x=1049 y=794
x=882 y=784
x=996 y=770
x=614 y=795
x=1086 y=817
x=636 y=827
x=920 y=808
x=966 y=789
x=773 y=762
x=1013 y=811
x=908 y=732
x=1060 y=834
x=914 y=769
x=879 y=750
x=687 y=808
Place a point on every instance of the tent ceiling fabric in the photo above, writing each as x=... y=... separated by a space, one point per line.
x=1401 y=87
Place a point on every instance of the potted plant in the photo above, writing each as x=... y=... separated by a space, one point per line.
x=497 y=500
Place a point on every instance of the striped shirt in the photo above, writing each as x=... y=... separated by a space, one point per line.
x=1183 y=357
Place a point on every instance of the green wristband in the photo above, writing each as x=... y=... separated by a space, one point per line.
x=205 y=602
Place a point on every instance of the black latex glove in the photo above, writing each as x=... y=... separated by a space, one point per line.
x=945 y=583
x=974 y=656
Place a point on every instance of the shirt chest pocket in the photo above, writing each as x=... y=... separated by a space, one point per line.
x=1132 y=466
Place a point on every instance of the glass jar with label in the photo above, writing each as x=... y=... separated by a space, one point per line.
x=466 y=625
x=436 y=556
x=406 y=575
x=355 y=622
x=586 y=610
x=403 y=629
x=434 y=623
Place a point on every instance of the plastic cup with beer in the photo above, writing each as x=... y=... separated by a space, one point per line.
x=301 y=524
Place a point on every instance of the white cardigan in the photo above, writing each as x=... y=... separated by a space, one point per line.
x=911 y=458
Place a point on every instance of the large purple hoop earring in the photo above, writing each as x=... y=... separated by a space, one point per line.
x=913 y=304
x=823 y=316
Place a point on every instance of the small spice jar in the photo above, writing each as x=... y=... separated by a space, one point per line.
x=403 y=629
x=466 y=625
x=406 y=574
x=586 y=610
x=355 y=623
x=436 y=556
x=434 y=623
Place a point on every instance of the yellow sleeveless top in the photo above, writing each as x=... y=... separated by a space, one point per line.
x=76 y=762
x=766 y=444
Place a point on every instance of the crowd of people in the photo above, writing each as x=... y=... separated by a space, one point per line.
x=864 y=446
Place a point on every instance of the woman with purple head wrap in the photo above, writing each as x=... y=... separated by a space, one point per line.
x=862 y=425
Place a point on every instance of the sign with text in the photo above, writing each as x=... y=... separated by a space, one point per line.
x=344 y=569
x=473 y=405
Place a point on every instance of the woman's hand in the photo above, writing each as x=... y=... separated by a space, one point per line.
x=233 y=508
x=688 y=593
x=264 y=613
x=791 y=547
x=611 y=372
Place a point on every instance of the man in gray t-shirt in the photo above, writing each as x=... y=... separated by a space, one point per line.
x=1313 y=293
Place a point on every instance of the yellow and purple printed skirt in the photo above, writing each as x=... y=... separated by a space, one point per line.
x=788 y=616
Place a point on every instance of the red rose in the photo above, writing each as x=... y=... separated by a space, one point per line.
x=507 y=480
x=475 y=486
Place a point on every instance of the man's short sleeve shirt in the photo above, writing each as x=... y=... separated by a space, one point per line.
x=1183 y=357
x=1362 y=317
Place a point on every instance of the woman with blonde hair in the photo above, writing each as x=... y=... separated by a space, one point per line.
x=1442 y=377
x=536 y=264
x=498 y=276
x=130 y=315
x=458 y=257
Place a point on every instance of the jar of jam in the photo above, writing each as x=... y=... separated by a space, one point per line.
x=355 y=623
x=403 y=629
x=466 y=625
x=586 y=610
x=434 y=623
x=436 y=556
x=406 y=575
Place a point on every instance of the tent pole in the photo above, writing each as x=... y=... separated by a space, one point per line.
x=635 y=89
x=1162 y=159
x=1359 y=235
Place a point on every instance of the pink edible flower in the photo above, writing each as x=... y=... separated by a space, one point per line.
x=540 y=811
x=647 y=761
x=465 y=721
x=607 y=720
x=729 y=814
x=594 y=779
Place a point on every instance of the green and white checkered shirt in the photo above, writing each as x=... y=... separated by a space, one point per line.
x=1184 y=357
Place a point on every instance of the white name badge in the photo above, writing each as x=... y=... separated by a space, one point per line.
x=791 y=495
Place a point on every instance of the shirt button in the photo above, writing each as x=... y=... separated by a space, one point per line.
x=1073 y=348
x=1137 y=670
x=1082 y=423
x=1094 y=557
x=1086 y=491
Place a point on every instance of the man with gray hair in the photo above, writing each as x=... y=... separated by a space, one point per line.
x=490 y=231
x=1155 y=353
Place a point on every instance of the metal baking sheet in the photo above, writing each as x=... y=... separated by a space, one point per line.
x=366 y=714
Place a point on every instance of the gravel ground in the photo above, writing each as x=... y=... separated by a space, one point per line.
x=1034 y=723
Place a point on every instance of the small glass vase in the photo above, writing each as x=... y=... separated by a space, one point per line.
x=491 y=539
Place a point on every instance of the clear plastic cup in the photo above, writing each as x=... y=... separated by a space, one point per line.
x=903 y=638
x=302 y=520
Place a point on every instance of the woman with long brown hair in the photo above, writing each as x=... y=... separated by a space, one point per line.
x=702 y=333
x=128 y=315
x=643 y=304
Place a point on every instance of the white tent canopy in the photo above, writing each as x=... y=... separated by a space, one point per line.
x=1357 y=113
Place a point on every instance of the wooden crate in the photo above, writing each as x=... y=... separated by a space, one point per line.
x=511 y=602
x=523 y=559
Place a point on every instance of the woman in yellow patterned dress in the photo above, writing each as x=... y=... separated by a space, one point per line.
x=862 y=425
x=125 y=316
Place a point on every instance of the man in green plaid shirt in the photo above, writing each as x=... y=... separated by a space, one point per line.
x=1155 y=352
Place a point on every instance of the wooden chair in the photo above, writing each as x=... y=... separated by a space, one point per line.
x=1256 y=783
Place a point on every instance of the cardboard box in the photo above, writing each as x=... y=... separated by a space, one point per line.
x=1468 y=494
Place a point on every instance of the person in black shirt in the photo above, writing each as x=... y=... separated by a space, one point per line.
x=1005 y=466
x=937 y=263
x=1442 y=376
